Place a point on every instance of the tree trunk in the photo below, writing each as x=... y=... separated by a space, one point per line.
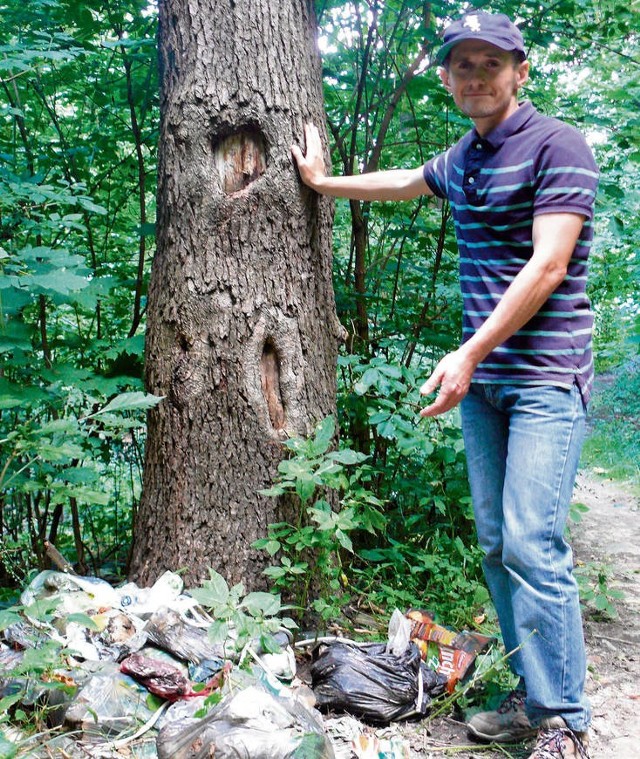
x=242 y=335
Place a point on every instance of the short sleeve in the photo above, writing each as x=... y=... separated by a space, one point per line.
x=435 y=174
x=566 y=174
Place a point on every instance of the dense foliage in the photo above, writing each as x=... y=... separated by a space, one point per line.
x=77 y=145
x=78 y=127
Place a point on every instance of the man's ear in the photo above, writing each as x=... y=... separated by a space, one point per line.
x=523 y=73
x=444 y=78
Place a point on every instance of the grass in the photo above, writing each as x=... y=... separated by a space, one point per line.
x=612 y=447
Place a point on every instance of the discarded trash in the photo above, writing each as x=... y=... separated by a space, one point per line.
x=251 y=724
x=76 y=594
x=399 y=634
x=132 y=670
x=166 y=591
x=372 y=747
x=205 y=670
x=370 y=683
x=110 y=703
x=450 y=653
x=167 y=629
x=165 y=680
x=351 y=737
x=160 y=637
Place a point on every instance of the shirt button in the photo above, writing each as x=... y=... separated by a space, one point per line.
x=471 y=180
x=478 y=146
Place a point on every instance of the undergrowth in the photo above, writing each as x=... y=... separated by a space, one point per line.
x=612 y=447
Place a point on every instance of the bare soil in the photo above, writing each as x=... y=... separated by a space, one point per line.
x=609 y=536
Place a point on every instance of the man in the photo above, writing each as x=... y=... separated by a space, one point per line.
x=521 y=188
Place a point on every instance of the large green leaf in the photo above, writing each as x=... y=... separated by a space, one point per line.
x=129 y=402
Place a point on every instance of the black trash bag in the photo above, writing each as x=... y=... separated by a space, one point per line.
x=376 y=686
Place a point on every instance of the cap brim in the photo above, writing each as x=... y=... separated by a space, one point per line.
x=444 y=51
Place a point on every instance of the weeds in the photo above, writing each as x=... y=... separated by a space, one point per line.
x=596 y=594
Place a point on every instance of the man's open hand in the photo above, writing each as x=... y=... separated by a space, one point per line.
x=310 y=164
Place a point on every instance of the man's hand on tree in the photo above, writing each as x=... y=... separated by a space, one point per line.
x=310 y=165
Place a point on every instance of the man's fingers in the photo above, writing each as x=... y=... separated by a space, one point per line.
x=428 y=387
x=441 y=404
x=432 y=383
x=312 y=136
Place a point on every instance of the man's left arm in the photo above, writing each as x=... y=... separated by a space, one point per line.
x=554 y=239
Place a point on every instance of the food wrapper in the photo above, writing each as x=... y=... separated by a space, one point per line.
x=446 y=651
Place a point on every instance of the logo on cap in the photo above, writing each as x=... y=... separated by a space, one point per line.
x=473 y=23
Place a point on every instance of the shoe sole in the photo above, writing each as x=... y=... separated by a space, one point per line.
x=506 y=737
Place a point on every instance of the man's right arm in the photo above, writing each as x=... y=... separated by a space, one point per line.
x=394 y=184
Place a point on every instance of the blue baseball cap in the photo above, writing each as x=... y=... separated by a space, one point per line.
x=495 y=28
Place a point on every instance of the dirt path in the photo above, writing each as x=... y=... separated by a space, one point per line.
x=607 y=536
x=610 y=533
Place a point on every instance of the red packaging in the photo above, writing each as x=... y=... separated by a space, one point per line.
x=448 y=652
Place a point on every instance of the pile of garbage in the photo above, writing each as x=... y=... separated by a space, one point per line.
x=129 y=671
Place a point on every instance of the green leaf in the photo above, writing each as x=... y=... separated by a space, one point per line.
x=344 y=540
x=218 y=631
x=130 y=402
x=267 y=544
x=214 y=592
x=8 y=618
x=325 y=433
x=262 y=604
x=348 y=456
x=83 y=619
x=275 y=573
x=89 y=205
x=305 y=487
x=58 y=281
x=272 y=492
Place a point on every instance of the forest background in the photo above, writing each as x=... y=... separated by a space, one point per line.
x=78 y=143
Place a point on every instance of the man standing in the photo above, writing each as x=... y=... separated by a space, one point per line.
x=521 y=188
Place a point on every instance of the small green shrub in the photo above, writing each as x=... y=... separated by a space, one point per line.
x=240 y=619
x=596 y=594
x=333 y=501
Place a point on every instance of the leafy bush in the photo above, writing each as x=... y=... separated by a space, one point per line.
x=312 y=549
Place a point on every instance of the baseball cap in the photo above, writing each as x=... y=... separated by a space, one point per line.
x=495 y=28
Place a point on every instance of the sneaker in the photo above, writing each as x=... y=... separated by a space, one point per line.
x=557 y=741
x=508 y=724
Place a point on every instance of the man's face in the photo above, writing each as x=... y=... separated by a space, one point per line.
x=484 y=81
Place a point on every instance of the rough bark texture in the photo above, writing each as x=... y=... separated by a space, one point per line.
x=242 y=335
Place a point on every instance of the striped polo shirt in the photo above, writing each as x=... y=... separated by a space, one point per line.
x=529 y=164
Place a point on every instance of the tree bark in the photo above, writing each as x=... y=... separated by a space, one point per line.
x=242 y=335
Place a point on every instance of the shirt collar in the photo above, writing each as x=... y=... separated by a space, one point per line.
x=510 y=126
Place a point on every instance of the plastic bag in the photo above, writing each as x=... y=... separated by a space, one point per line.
x=108 y=704
x=168 y=630
x=143 y=602
x=372 y=684
x=77 y=594
x=399 y=633
x=250 y=724
x=121 y=635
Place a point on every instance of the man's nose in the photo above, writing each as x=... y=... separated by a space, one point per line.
x=477 y=75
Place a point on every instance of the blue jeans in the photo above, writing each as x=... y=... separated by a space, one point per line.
x=523 y=445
